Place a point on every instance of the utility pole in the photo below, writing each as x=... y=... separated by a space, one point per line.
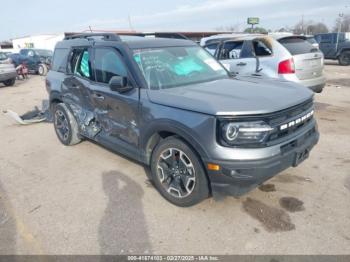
x=130 y=25
x=341 y=15
x=302 y=24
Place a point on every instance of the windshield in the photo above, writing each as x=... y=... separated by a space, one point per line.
x=43 y=52
x=177 y=66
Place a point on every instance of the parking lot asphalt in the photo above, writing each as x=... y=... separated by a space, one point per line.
x=85 y=199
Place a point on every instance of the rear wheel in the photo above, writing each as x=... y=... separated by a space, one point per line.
x=344 y=58
x=178 y=174
x=66 y=126
x=42 y=70
x=10 y=82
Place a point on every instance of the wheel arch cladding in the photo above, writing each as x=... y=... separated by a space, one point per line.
x=154 y=134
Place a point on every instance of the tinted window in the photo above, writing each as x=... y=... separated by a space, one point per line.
x=30 y=53
x=262 y=48
x=59 y=60
x=231 y=50
x=79 y=63
x=311 y=40
x=211 y=48
x=297 y=46
x=108 y=64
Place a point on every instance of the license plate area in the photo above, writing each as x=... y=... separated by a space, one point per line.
x=301 y=156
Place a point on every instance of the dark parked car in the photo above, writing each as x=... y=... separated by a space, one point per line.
x=38 y=61
x=335 y=46
x=170 y=105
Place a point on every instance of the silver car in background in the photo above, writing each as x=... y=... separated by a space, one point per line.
x=284 y=57
x=8 y=72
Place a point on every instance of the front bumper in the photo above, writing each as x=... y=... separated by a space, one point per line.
x=237 y=177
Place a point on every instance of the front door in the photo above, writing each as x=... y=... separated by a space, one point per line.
x=117 y=113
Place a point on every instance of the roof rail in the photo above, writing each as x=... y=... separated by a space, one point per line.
x=105 y=36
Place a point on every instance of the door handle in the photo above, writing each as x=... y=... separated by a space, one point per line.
x=242 y=64
x=98 y=96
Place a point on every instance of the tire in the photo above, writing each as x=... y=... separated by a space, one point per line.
x=66 y=126
x=184 y=186
x=42 y=70
x=344 y=58
x=10 y=82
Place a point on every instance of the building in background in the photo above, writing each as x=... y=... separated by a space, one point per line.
x=47 y=41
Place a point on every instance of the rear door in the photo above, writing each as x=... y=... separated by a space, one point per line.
x=75 y=88
x=237 y=57
x=308 y=60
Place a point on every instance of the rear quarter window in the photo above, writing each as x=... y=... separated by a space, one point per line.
x=60 y=60
x=297 y=46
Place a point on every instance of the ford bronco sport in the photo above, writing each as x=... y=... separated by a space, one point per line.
x=170 y=105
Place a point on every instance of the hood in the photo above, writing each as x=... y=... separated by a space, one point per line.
x=239 y=96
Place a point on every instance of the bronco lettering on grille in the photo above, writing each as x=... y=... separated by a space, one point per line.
x=297 y=121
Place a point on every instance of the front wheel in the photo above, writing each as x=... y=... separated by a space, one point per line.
x=344 y=58
x=178 y=173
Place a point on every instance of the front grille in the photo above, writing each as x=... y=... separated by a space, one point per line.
x=275 y=120
x=287 y=116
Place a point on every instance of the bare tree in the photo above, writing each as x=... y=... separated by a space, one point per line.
x=230 y=28
x=310 y=28
x=344 y=22
x=317 y=28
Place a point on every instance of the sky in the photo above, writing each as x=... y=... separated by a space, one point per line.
x=20 y=18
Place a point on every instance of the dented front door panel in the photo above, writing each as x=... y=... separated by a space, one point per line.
x=117 y=113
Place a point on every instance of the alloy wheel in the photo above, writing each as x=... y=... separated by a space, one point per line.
x=176 y=172
x=61 y=124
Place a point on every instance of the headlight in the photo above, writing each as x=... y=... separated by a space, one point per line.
x=239 y=133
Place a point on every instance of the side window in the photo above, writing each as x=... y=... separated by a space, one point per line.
x=231 y=50
x=79 y=63
x=262 y=48
x=30 y=53
x=107 y=64
x=211 y=48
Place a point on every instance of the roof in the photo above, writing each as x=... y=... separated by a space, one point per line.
x=133 y=42
x=238 y=36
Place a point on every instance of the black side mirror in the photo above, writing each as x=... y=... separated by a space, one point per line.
x=119 y=84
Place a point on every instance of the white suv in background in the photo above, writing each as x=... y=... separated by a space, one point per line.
x=285 y=57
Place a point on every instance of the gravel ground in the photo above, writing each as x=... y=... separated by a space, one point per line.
x=87 y=200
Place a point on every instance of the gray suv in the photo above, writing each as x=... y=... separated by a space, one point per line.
x=169 y=104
